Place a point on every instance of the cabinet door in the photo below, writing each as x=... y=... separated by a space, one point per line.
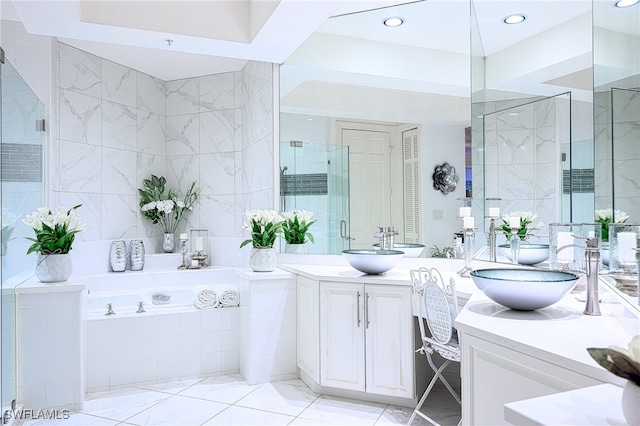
x=308 y=327
x=389 y=341
x=342 y=335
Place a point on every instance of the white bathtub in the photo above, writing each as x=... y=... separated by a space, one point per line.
x=168 y=342
x=125 y=290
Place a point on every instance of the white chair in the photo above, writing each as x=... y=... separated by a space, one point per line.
x=435 y=303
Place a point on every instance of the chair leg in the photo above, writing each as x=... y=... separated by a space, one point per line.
x=444 y=380
x=433 y=381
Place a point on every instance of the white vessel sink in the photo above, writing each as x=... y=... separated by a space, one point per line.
x=524 y=289
x=409 y=249
x=371 y=261
x=529 y=254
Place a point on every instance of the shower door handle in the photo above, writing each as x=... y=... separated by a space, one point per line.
x=343 y=230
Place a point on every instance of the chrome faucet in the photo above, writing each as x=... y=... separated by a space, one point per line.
x=386 y=237
x=592 y=258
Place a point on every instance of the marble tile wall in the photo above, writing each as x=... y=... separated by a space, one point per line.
x=626 y=152
x=521 y=157
x=115 y=126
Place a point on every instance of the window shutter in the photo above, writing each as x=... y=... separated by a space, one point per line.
x=411 y=155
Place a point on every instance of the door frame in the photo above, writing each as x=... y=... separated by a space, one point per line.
x=395 y=164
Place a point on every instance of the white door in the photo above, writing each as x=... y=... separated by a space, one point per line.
x=369 y=184
x=389 y=341
x=342 y=335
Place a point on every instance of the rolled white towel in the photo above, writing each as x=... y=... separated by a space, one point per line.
x=205 y=297
x=227 y=295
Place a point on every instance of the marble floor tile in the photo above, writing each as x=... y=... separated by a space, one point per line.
x=279 y=398
x=121 y=404
x=242 y=416
x=178 y=410
x=299 y=421
x=227 y=389
x=75 y=419
x=171 y=387
x=394 y=415
x=343 y=411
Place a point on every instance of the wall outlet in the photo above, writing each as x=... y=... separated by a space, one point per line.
x=437 y=214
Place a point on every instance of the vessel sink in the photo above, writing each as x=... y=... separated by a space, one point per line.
x=371 y=261
x=529 y=254
x=409 y=249
x=524 y=289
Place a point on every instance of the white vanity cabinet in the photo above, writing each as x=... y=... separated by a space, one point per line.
x=366 y=338
x=308 y=325
x=495 y=375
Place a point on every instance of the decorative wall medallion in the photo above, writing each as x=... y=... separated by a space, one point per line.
x=445 y=178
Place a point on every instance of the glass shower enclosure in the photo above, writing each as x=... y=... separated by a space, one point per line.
x=22 y=163
x=315 y=177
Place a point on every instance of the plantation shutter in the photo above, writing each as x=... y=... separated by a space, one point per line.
x=411 y=154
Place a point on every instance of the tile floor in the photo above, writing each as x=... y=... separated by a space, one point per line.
x=229 y=400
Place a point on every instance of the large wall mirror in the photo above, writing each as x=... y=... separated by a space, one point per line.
x=366 y=113
x=552 y=104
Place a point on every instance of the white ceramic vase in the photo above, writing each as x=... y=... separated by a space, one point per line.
x=295 y=248
x=263 y=259
x=53 y=268
x=631 y=403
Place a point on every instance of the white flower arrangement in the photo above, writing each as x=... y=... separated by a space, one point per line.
x=264 y=226
x=607 y=216
x=165 y=210
x=527 y=225
x=296 y=226
x=55 y=229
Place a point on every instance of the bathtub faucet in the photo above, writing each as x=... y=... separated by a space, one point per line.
x=592 y=256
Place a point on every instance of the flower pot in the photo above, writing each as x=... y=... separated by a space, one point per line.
x=53 y=268
x=631 y=403
x=295 y=248
x=263 y=259
x=168 y=242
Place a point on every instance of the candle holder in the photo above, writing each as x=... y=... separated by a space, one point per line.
x=623 y=240
x=200 y=247
x=183 y=250
x=468 y=252
x=514 y=245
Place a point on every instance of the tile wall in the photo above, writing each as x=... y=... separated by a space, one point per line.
x=115 y=126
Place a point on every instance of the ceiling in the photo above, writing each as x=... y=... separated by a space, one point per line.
x=429 y=54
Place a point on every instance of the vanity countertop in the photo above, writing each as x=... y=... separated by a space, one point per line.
x=594 y=405
x=558 y=334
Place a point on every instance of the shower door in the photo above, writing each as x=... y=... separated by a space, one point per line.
x=22 y=141
x=315 y=177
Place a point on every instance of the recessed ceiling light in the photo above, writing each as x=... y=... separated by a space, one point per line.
x=394 y=21
x=625 y=3
x=514 y=19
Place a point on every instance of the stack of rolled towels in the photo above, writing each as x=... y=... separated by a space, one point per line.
x=220 y=296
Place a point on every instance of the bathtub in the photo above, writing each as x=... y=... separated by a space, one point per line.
x=125 y=290
x=168 y=342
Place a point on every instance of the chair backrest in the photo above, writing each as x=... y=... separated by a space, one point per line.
x=435 y=303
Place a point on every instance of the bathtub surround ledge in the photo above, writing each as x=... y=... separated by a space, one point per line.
x=50 y=344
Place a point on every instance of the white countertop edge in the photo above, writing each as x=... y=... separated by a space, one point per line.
x=276 y=274
x=33 y=286
x=594 y=405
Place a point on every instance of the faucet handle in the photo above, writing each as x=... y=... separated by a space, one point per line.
x=592 y=242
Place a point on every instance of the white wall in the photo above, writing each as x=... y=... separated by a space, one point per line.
x=442 y=144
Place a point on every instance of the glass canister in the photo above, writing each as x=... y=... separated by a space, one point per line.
x=136 y=255
x=118 y=256
x=624 y=239
x=566 y=252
